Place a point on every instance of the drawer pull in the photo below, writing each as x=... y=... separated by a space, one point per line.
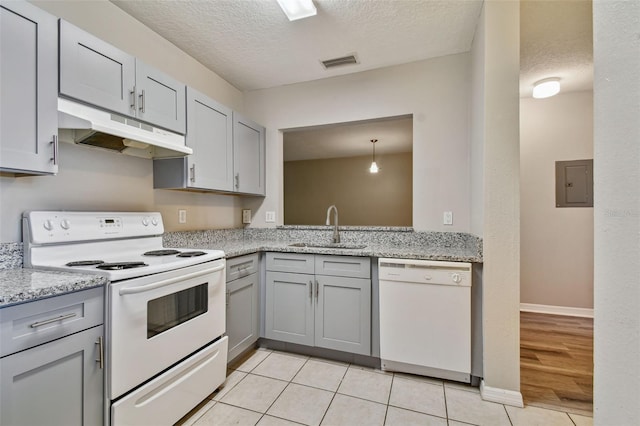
x=50 y=320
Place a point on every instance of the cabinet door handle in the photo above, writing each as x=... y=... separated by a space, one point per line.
x=237 y=181
x=132 y=92
x=50 y=320
x=317 y=290
x=228 y=297
x=142 y=101
x=310 y=289
x=100 y=359
x=54 y=145
x=193 y=173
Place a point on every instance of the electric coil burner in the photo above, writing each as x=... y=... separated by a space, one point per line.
x=164 y=308
x=165 y=252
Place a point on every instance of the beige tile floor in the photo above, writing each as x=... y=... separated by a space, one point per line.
x=270 y=388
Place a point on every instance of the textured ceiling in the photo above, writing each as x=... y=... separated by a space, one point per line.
x=252 y=44
x=556 y=40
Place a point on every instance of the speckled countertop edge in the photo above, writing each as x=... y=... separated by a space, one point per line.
x=20 y=285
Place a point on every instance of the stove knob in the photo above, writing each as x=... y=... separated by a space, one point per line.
x=48 y=225
x=154 y=221
x=65 y=224
x=145 y=221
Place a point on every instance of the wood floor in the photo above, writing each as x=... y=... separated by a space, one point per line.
x=556 y=362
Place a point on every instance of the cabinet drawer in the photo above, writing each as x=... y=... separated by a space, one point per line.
x=30 y=324
x=343 y=266
x=242 y=266
x=290 y=262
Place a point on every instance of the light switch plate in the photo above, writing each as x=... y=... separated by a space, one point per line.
x=182 y=216
x=246 y=216
x=448 y=218
x=270 y=217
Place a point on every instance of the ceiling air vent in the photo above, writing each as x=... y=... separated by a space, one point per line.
x=337 y=62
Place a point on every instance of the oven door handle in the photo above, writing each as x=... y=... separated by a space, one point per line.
x=164 y=283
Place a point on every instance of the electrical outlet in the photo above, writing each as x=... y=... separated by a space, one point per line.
x=270 y=217
x=448 y=218
x=182 y=216
x=246 y=216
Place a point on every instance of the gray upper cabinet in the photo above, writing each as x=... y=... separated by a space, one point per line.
x=28 y=83
x=160 y=98
x=228 y=152
x=210 y=135
x=319 y=307
x=248 y=156
x=97 y=73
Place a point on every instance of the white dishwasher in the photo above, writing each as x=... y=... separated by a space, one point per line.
x=425 y=318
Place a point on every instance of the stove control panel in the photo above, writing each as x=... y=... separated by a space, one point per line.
x=44 y=227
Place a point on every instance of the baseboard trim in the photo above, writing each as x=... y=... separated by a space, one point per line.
x=501 y=396
x=557 y=310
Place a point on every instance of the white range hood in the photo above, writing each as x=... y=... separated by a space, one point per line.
x=83 y=124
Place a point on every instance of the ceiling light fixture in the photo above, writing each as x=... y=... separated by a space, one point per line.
x=374 y=167
x=546 y=88
x=297 y=9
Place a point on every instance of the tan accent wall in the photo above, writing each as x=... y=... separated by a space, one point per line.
x=362 y=198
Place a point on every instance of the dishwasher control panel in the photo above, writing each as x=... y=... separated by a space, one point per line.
x=425 y=271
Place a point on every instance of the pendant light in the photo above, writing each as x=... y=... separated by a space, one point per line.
x=374 y=167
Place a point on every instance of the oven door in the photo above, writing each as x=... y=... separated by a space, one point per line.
x=158 y=320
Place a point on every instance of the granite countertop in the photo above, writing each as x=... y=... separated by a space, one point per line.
x=452 y=254
x=20 y=285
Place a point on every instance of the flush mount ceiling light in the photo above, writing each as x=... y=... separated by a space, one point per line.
x=546 y=88
x=297 y=9
x=374 y=167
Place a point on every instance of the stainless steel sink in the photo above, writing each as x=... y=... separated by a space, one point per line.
x=342 y=246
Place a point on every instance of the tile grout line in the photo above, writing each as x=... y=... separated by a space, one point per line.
x=283 y=389
x=386 y=410
x=334 y=394
x=504 y=407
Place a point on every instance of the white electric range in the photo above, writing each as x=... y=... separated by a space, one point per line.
x=164 y=308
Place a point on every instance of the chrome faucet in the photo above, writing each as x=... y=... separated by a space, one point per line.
x=336 y=236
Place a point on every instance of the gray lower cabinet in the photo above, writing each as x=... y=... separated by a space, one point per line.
x=29 y=87
x=58 y=383
x=51 y=365
x=243 y=321
x=318 y=306
x=97 y=73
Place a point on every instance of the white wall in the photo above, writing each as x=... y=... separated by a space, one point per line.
x=556 y=244
x=616 y=212
x=495 y=151
x=93 y=179
x=435 y=91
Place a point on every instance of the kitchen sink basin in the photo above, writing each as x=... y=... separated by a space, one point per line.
x=342 y=246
